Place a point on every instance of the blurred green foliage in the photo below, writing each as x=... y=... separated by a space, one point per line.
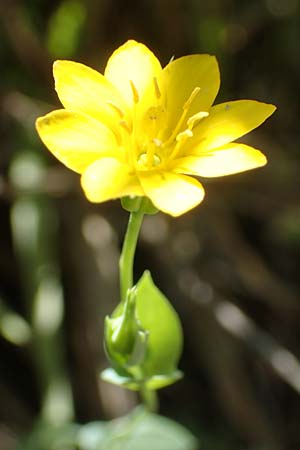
x=138 y=430
x=65 y=29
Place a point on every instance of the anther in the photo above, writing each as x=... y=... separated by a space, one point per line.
x=134 y=92
x=195 y=118
x=191 y=98
x=156 y=87
x=184 y=135
x=116 y=108
x=157 y=142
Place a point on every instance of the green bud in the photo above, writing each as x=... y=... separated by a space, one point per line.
x=144 y=339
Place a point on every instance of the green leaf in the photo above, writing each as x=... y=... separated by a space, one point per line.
x=139 y=430
x=45 y=436
x=92 y=436
x=151 y=431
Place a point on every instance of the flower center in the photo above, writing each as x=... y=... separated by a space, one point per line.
x=142 y=136
x=144 y=162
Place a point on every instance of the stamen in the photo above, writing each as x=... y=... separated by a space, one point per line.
x=185 y=108
x=156 y=87
x=191 y=98
x=125 y=125
x=156 y=160
x=116 y=108
x=195 y=118
x=180 y=138
x=134 y=92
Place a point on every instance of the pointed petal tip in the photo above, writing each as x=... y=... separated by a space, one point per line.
x=272 y=108
x=57 y=64
x=263 y=160
x=130 y=44
x=40 y=121
x=61 y=66
x=269 y=109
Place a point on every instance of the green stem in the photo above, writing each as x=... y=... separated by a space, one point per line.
x=149 y=398
x=128 y=251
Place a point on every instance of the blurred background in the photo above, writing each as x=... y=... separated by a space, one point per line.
x=230 y=266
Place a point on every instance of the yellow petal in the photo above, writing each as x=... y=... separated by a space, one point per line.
x=227 y=122
x=182 y=76
x=81 y=88
x=76 y=139
x=107 y=179
x=132 y=68
x=171 y=193
x=227 y=160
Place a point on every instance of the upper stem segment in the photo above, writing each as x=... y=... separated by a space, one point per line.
x=149 y=397
x=128 y=251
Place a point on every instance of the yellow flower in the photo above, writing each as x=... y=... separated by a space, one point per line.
x=141 y=130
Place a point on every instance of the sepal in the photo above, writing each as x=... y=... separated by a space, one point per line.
x=125 y=340
x=134 y=204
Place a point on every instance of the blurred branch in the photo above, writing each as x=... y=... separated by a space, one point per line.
x=225 y=362
x=24 y=41
x=13 y=327
x=280 y=359
x=55 y=181
x=33 y=224
x=16 y=413
x=257 y=277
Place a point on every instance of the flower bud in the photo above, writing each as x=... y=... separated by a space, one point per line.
x=143 y=339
